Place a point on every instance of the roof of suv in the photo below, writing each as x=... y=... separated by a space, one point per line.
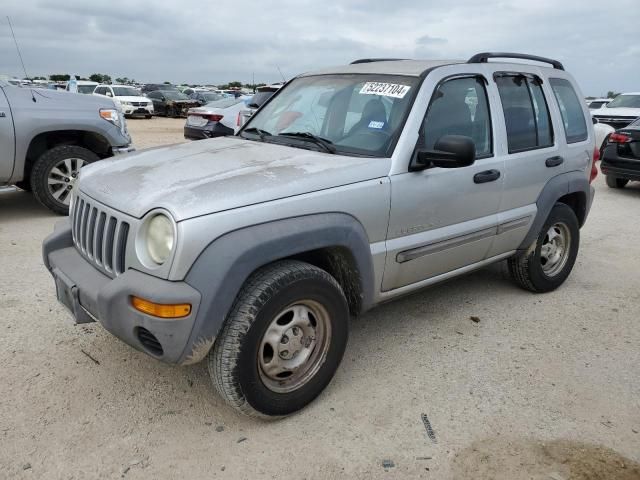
x=412 y=68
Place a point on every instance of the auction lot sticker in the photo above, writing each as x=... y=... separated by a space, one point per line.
x=385 y=89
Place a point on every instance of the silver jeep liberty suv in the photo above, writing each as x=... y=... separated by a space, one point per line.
x=351 y=186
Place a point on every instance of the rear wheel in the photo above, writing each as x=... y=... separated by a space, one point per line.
x=549 y=260
x=615 y=182
x=54 y=174
x=283 y=340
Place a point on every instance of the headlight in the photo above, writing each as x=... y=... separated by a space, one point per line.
x=125 y=103
x=111 y=115
x=160 y=238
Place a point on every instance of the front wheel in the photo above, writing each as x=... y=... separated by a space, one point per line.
x=614 y=182
x=283 y=340
x=549 y=260
x=54 y=174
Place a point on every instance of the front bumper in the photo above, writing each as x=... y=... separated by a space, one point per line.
x=91 y=295
x=133 y=111
x=122 y=150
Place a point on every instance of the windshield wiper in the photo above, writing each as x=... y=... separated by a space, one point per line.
x=257 y=131
x=328 y=145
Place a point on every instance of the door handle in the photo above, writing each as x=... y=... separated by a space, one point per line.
x=3 y=115
x=554 y=161
x=486 y=176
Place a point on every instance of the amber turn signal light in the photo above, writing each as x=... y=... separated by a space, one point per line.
x=161 y=310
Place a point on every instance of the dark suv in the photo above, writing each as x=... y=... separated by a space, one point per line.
x=621 y=156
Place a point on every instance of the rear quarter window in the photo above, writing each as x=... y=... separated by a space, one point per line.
x=575 y=126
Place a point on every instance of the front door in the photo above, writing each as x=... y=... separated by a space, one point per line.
x=443 y=219
x=7 y=141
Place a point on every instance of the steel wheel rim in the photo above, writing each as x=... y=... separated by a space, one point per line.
x=554 y=251
x=62 y=177
x=294 y=346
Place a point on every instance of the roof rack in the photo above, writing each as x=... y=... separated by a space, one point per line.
x=371 y=60
x=485 y=56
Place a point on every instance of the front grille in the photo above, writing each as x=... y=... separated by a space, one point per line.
x=149 y=341
x=99 y=236
x=139 y=104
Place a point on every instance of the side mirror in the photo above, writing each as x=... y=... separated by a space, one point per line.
x=109 y=94
x=450 y=151
x=595 y=120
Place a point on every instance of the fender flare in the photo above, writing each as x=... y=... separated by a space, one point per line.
x=226 y=263
x=556 y=188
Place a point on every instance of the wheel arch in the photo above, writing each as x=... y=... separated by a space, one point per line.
x=335 y=242
x=572 y=189
x=45 y=141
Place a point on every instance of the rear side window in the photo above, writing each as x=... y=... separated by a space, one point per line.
x=460 y=107
x=575 y=126
x=526 y=113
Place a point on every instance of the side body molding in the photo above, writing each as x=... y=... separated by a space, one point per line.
x=556 y=188
x=224 y=266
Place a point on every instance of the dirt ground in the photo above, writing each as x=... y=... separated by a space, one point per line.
x=541 y=387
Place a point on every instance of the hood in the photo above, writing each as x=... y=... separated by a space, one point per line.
x=616 y=112
x=208 y=176
x=57 y=99
x=133 y=99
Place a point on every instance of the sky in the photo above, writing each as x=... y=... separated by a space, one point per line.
x=203 y=42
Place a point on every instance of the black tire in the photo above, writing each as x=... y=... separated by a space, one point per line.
x=148 y=116
x=527 y=268
x=614 y=182
x=234 y=360
x=43 y=166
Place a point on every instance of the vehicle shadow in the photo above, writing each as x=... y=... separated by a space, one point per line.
x=16 y=204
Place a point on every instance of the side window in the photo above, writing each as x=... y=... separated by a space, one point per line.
x=526 y=113
x=100 y=90
x=459 y=107
x=575 y=126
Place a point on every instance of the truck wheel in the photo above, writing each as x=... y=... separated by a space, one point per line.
x=54 y=174
x=614 y=182
x=549 y=260
x=283 y=340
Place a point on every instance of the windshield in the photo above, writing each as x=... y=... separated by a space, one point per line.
x=210 y=96
x=635 y=123
x=260 y=97
x=174 y=95
x=225 y=102
x=86 y=88
x=125 y=92
x=359 y=114
x=628 y=101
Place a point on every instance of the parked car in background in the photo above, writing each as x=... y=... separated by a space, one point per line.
x=620 y=111
x=596 y=103
x=150 y=87
x=84 y=86
x=171 y=103
x=204 y=97
x=47 y=138
x=130 y=100
x=215 y=119
x=602 y=130
x=621 y=156
x=259 y=98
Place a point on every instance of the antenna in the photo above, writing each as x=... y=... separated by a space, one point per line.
x=26 y=75
x=283 y=79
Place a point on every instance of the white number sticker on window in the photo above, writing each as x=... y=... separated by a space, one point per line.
x=385 y=89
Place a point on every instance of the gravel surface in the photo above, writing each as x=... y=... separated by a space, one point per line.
x=533 y=386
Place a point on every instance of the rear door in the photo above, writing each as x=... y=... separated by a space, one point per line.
x=533 y=153
x=7 y=139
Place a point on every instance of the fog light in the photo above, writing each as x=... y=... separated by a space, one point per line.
x=179 y=310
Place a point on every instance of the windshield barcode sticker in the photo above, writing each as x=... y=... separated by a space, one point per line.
x=385 y=89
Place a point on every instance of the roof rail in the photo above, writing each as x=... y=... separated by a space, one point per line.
x=371 y=60
x=485 y=56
